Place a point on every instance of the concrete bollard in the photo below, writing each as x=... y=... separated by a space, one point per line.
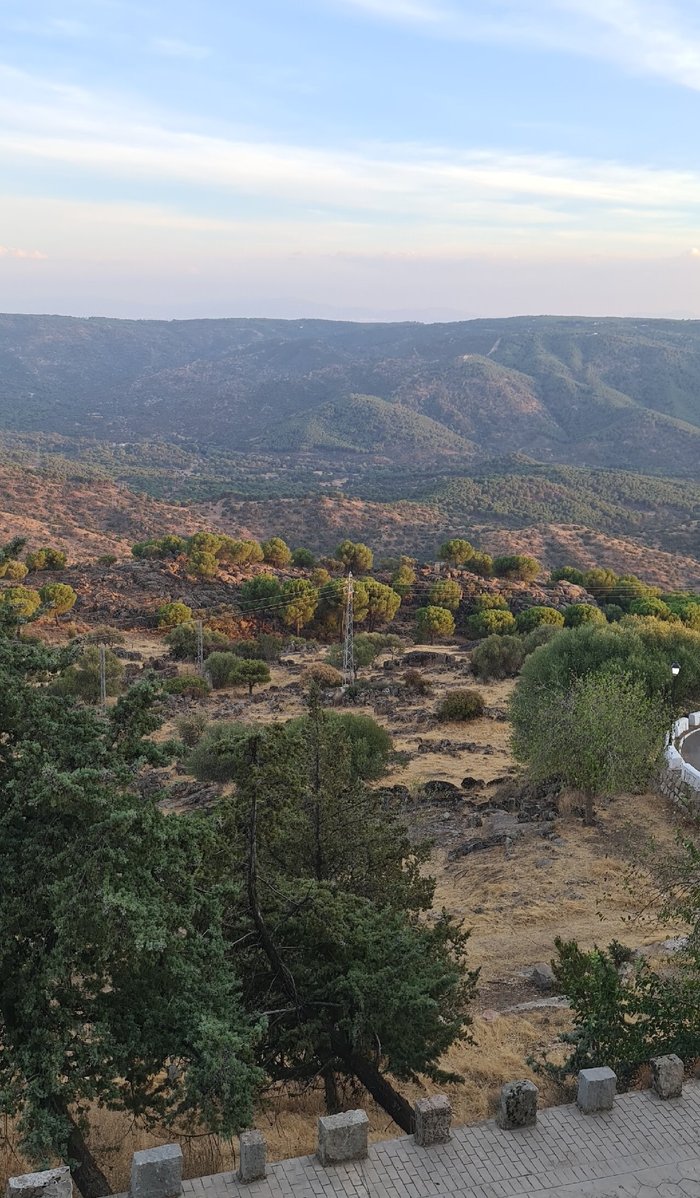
x=157 y=1172
x=342 y=1137
x=596 y=1090
x=433 y=1118
x=667 y=1076
x=52 y=1183
x=518 y=1105
x=253 y=1156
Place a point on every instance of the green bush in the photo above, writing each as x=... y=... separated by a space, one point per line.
x=516 y=566
x=488 y=600
x=481 y=564
x=191 y=728
x=171 y=614
x=432 y=622
x=325 y=676
x=653 y=607
x=539 y=636
x=569 y=574
x=533 y=617
x=456 y=551
x=303 y=558
x=187 y=684
x=461 y=705
x=214 y=757
x=490 y=622
x=577 y=614
x=445 y=593
x=222 y=667
x=498 y=657
x=276 y=552
x=13 y=570
x=182 y=640
x=82 y=678
x=260 y=594
x=370 y=744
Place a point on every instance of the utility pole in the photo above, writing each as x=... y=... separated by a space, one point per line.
x=103 y=676
x=200 y=648
x=348 y=644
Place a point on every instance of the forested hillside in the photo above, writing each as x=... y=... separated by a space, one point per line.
x=618 y=393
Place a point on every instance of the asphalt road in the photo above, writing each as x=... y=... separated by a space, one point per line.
x=691 y=749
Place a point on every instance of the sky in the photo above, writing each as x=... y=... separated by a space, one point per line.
x=350 y=159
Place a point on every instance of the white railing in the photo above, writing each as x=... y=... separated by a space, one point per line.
x=675 y=762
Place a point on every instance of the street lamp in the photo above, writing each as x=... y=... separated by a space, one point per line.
x=675 y=671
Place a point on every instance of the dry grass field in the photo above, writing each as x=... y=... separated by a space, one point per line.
x=516 y=897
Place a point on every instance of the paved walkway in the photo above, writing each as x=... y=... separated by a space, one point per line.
x=690 y=749
x=644 y=1148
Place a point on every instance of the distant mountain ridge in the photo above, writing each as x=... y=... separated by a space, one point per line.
x=609 y=392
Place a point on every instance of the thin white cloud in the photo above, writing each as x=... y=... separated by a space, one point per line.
x=398 y=195
x=651 y=37
x=8 y=251
x=172 y=47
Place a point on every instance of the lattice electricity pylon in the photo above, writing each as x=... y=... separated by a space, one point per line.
x=348 y=643
x=103 y=676
x=200 y=649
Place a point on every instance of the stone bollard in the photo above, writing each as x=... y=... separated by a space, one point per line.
x=596 y=1090
x=52 y=1183
x=667 y=1076
x=253 y=1156
x=518 y=1105
x=157 y=1172
x=433 y=1118
x=342 y=1137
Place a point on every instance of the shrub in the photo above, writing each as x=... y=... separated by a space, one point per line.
x=106 y=559
x=488 y=600
x=171 y=614
x=612 y=612
x=20 y=602
x=577 y=614
x=461 y=705
x=214 y=758
x=13 y=570
x=103 y=634
x=456 y=551
x=652 y=607
x=445 y=593
x=498 y=657
x=516 y=566
x=323 y=675
x=187 y=684
x=539 y=636
x=276 y=552
x=303 y=558
x=191 y=728
x=355 y=556
x=416 y=682
x=481 y=564
x=259 y=594
x=490 y=622
x=569 y=574
x=221 y=668
x=46 y=559
x=82 y=679
x=432 y=622
x=599 y=582
x=370 y=743
x=533 y=617
x=58 y=597
x=202 y=564
x=182 y=640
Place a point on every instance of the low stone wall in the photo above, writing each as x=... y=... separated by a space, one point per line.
x=679 y=781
